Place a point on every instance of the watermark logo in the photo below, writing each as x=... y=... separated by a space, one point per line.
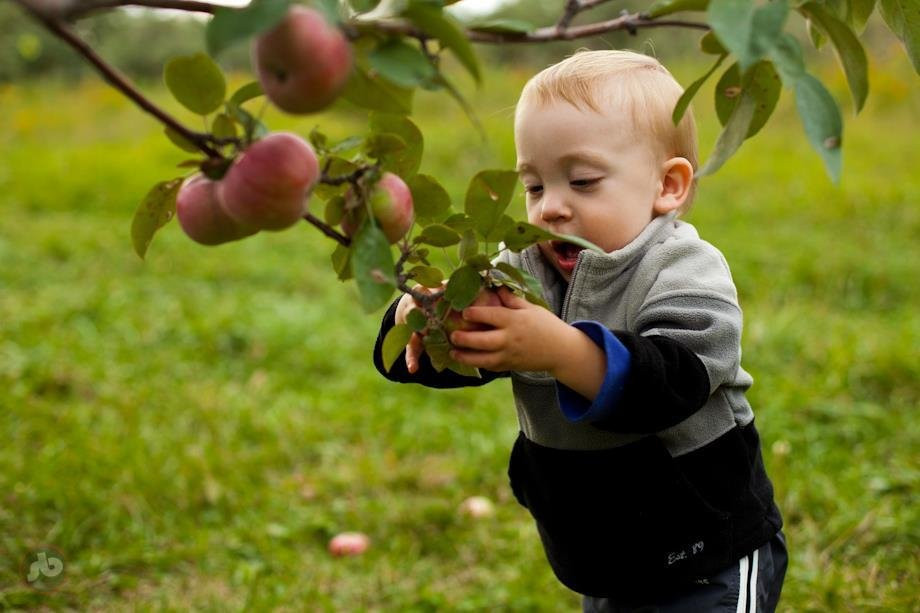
x=43 y=568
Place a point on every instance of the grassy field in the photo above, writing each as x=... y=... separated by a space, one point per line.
x=189 y=431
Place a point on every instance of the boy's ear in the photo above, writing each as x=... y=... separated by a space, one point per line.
x=675 y=186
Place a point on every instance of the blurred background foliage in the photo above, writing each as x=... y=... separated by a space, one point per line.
x=191 y=429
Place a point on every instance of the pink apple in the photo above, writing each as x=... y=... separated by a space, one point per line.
x=268 y=185
x=201 y=215
x=455 y=321
x=391 y=204
x=302 y=63
x=349 y=544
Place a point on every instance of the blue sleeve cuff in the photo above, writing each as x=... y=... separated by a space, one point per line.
x=576 y=407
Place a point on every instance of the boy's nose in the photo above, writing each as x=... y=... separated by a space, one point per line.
x=554 y=208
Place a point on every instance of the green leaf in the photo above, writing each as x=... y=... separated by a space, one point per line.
x=405 y=162
x=786 y=55
x=463 y=369
x=460 y=222
x=394 y=343
x=500 y=229
x=480 y=262
x=821 y=119
x=180 y=141
x=401 y=63
x=154 y=211
x=223 y=127
x=487 y=197
x=347 y=144
x=463 y=287
x=438 y=235
x=429 y=199
x=469 y=246
x=373 y=265
x=850 y=51
x=428 y=276
x=522 y=235
x=903 y=18
x=501 y=26
x=341 y=262
x=417 y=320
x=709 y=44
x=745 y=29
x=859 y=13
x=196 y=82
x=684 y=101
x=372 y=91
x=512 y=272
x=733 y=134
x=334 y=211
x=815 y=34
x=246 y=93
x=253 y=128
x=761 y=82
x=232 y=25
x=433 y=21
x=384 y=146
x=363 y=6
x=667 y=7
x=438 y=349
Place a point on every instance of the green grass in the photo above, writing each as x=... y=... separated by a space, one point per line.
x=189 y=431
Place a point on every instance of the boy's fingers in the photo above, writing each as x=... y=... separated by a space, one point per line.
x=492 y=316
x=510 y=299
x=477 y=359
x=414 y=352
x=482 y=340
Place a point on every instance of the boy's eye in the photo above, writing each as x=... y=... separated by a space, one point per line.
x=583 y=182
x=533 y=189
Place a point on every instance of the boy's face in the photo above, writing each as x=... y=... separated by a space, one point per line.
x=587 y=174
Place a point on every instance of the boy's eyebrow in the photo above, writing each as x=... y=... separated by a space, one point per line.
x=583 y=156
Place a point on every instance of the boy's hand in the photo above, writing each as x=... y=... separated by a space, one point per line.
x=527 y=337
x=415 y=348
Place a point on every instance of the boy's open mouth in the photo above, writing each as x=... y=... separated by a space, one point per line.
x=566 y=254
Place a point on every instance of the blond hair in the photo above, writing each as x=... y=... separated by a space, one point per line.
x=628 y=82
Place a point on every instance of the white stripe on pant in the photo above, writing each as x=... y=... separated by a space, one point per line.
x=742 y=584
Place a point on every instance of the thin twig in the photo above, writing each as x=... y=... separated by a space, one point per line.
x=116 y=79
x=327 y=229
x=572 y=8
x=343 y=179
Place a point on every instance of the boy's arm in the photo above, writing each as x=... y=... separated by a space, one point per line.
x=656 y=382
x=616 y=380
x=426 y=374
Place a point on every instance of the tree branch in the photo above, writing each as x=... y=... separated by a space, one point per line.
x=629 y=22
x=92 y=6
x=116 y=79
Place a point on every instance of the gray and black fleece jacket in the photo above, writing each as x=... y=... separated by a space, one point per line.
x=660 y=480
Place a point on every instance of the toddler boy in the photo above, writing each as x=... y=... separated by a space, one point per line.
x=637 y=456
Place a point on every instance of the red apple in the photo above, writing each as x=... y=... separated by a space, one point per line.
x=391 y=203
x=201 y=215
x=268 y=185
x=349 y=544
x=302 y=63
x=455 y=321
